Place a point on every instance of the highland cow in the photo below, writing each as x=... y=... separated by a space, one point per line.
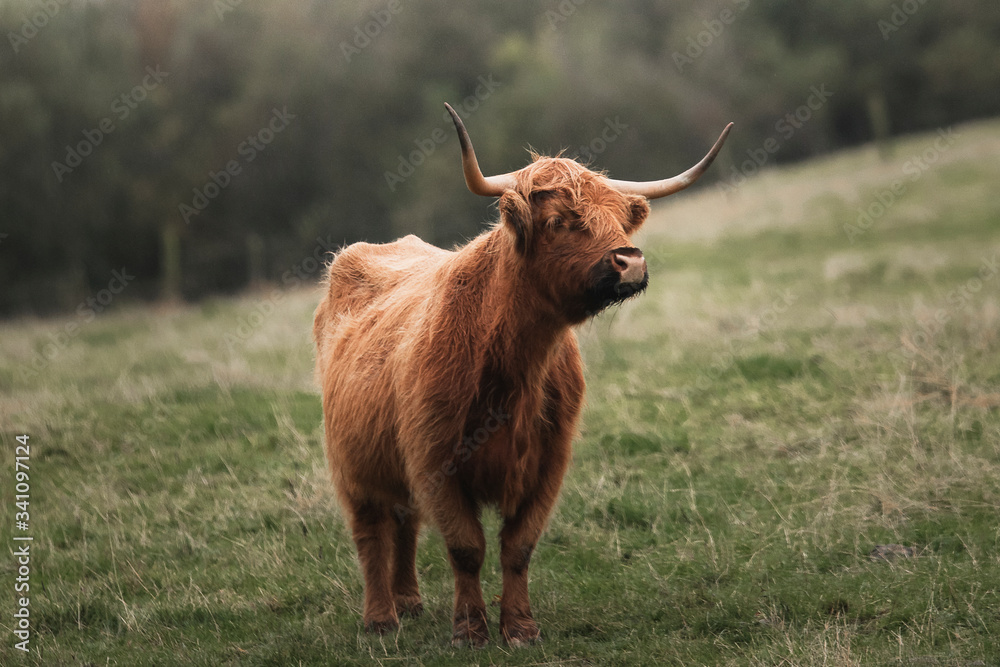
x=452 y=380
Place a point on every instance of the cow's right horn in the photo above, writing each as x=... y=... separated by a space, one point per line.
x=488 y=186
x=668 y=186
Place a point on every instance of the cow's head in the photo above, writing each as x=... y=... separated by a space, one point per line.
x=572 y=226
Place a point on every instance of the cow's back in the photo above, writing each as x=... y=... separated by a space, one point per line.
x=362 y=274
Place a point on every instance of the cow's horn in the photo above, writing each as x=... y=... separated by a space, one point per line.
x=668 y=186
x=488 y=186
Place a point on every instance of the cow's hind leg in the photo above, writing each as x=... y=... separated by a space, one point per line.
x=404 y=577
x=374 y=532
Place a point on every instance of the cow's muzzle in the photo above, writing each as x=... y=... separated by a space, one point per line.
x=630 y=265
x=620 y=274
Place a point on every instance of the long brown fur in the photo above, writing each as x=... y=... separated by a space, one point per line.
x=453 y=380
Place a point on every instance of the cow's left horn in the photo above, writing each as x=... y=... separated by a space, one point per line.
x=668 y=186
x=488 y=186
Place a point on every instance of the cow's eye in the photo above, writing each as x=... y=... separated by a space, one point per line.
x=557 y=222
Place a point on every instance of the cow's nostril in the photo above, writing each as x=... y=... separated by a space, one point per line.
x=631 y=267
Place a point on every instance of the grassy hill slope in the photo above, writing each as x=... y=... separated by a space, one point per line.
x=789 y=397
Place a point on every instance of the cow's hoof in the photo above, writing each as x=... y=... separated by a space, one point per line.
x=471 y=630
x=520 y=632
x=381 y=626
x=409 y=605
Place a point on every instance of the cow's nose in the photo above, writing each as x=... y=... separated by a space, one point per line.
x=630 y=264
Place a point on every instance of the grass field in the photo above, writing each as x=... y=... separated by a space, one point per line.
x=787 y=396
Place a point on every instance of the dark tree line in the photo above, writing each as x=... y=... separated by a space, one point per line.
x=202 y=146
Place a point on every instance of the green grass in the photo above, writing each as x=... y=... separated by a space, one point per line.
x=782 y=400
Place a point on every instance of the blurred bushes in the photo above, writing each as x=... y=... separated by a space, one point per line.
x=142 y=133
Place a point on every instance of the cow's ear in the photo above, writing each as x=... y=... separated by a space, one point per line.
x=515 y=213
x=638 y=211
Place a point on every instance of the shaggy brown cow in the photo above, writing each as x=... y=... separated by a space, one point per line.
x=452 y=379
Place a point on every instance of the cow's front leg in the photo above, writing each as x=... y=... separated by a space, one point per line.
x=518 y=538
x=458 y=519
x=517 y=626
x=469 y=622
